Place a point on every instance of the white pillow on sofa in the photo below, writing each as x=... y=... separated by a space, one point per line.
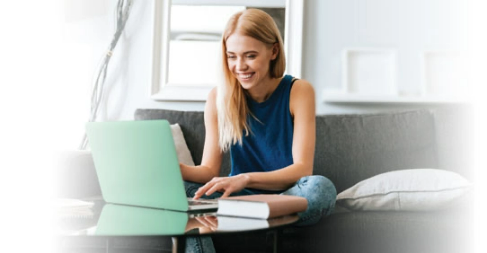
x=184 y=156
x=405 y=190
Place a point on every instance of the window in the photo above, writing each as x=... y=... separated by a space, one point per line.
x=186 y=43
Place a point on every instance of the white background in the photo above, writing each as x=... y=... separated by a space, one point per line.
x=47 y=62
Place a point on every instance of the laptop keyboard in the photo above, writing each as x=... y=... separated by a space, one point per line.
x=193 y=202
x=196 y=203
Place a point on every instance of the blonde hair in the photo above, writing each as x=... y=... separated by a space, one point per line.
x=231 y=101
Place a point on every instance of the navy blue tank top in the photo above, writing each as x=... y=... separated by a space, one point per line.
x=268 y=146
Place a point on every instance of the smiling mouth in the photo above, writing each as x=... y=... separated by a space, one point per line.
x=246 y=76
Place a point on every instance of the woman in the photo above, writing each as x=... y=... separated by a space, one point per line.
x=266 y=121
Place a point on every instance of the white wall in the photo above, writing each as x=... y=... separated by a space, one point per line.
x=330 y=26
x=408 y=26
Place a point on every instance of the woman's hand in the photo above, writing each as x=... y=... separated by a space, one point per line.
x=227 y=185
x=204 y=224
x=209 y=224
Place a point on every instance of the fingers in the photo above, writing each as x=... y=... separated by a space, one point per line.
x=227 y=185
x=211 y=220
x=208 y=221
x=203 y=221
x=214 y=188
x=204 y=189
x=199 y=193
x=226 y=194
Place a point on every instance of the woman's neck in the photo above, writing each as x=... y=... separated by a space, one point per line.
x=265 y=91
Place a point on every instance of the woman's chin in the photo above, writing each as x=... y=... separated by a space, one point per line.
x=246 y=85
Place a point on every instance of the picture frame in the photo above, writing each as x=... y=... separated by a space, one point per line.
x=369 y=71
x=441 y=73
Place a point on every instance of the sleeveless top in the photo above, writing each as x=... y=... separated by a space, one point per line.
x=268 y=146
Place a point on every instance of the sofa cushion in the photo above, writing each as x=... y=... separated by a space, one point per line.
x=184 y=155
x=407 y=190
x=354 y=147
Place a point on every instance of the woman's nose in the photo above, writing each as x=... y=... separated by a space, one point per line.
x=241 y=65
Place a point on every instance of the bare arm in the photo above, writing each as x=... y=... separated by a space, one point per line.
x=212 y=156
x=302 y=106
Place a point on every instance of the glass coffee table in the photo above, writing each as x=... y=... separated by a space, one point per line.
x=115 y=228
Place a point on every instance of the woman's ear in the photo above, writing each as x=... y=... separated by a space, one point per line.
x=275 y=51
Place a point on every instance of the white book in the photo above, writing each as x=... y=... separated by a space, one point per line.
x=261 y=206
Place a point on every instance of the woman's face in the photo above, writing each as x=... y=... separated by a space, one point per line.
x=249 y=60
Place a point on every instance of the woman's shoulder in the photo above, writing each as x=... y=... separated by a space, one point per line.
x=213 y=92
x=302 y=96
x=212 y=95
x=211 y=106
x=301 y=86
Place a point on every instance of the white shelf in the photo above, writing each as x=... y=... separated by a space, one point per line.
x=390 y=99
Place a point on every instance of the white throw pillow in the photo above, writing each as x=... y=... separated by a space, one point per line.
x=405 y=190
x=184 y=156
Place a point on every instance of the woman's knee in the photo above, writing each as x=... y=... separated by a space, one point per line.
x=319 y=189
x=317 y=183
x=325 y=185
x=329 y=194
x=321 y=195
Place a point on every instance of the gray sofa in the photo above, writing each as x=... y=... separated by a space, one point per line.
x=351 y=148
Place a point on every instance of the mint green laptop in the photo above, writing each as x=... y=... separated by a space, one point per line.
x=137 y=164
x=122 y=220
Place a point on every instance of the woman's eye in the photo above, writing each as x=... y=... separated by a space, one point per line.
x=251 y=56
x=231 y=56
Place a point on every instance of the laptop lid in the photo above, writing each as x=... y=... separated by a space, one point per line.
x=120 y=220
x=136 y=163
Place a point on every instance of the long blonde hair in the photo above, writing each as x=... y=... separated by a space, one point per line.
x=231 y=102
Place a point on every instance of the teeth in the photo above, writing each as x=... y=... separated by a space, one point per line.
x=247 y=76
